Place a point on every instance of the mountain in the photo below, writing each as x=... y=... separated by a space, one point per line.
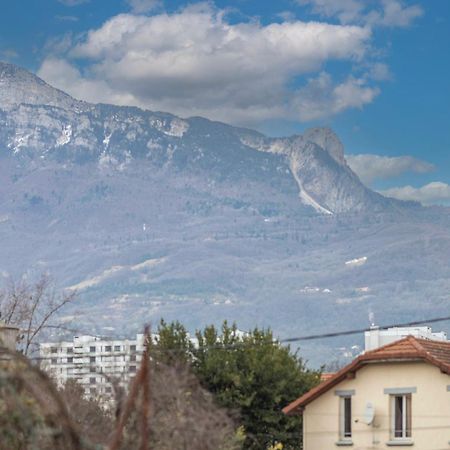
x=147 y=215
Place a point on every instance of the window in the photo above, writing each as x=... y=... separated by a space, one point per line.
x=401 y=416
x=108 y=348
x=92 y=380
x=92 y=349
x=345 y=418
x=132 y=357
x=70 y=359
x=108 y=390
x=345 y=415
x=92 y=359
x=92 y=391
x=132 y=348
x=92 y=369
x=132 y=369
x=53 y=350
x=69 y=349
x=117 y=348
x=54 y=361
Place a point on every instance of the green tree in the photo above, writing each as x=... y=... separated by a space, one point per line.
x=251 y=375
x=172 y=346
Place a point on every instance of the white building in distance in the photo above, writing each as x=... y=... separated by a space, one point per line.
x=93 y=362
x=375 y=338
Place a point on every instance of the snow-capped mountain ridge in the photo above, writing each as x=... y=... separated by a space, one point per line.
x=46 y=120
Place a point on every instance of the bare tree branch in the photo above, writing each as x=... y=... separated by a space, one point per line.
x=31 y=306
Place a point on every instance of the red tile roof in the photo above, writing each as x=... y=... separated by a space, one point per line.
x=409 y=348
x=326 y=376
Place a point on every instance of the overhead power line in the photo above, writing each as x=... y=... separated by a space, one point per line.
x=290 y=340
x=362 y=330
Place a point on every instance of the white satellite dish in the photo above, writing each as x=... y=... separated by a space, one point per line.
x=369 y=414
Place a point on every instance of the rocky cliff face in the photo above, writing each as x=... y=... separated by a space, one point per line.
x=38 y=121
x=20 y=86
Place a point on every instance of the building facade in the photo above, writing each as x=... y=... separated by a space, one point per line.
x=376 y=337
x=93 y=362
x=396 y=395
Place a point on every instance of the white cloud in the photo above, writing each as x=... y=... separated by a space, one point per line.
x=321 y=98
x=194 y=62
x=8 y=54
x=396 y=14
x=80 y=87
x=143 y=6
x=67 y=18
x=374 y=167
x=379 y=72
x=389 y=13
x=432 y=193
x=73 y=2
x=347 y=11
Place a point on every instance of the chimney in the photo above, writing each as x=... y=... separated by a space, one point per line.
x=8 y=336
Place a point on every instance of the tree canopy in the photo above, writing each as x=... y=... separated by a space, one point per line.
x=250 y=374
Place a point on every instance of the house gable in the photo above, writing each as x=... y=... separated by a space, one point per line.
x=409 y=349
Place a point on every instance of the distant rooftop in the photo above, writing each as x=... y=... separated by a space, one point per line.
x=375 y=337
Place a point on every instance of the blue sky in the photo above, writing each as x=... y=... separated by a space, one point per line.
x=376 y=71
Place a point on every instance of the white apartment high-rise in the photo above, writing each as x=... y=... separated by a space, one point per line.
x=94 y=362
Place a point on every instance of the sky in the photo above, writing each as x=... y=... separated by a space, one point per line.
x=376 y=71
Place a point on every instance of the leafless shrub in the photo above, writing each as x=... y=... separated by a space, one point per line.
x=32 y=413
x=166 y=409
x=31 y=306
x=94 y=420
x=183 y=415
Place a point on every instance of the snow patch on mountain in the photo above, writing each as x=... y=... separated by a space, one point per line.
x=356 y=262
x=115 y=270
x=175 y=127
x=106 y=140
x=20 y=140
x=315 y=290
x=66 y=136
x=305 y=197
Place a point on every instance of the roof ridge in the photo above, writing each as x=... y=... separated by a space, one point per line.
x=389 y=345
x=416 y=343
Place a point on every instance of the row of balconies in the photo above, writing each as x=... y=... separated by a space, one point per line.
x=94 y=349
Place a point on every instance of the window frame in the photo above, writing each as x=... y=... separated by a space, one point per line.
x=405 y=433
x=345 y=414
x=345 y=418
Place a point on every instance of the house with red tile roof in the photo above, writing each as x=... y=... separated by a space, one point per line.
x=396 y=395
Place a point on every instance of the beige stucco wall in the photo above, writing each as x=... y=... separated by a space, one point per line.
x=430 y=408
